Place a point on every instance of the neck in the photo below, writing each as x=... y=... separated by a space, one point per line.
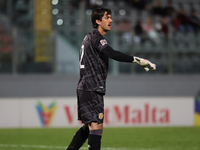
x=101 y=31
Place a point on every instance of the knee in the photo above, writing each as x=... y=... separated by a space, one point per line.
x=95 y=126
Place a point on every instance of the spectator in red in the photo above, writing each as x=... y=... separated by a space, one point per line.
x=181 y=22
x=164 y=26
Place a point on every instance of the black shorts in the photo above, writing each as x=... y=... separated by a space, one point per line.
x=90 y=106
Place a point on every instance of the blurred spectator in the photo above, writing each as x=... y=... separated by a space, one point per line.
x=124 y=26
x=138 y=4
x=181 y=22
x=157 y=8
x=74 y=3
x=169 y=9
x=5 y=41
x=139 y=34
x=125 y=29
x=162 y=26
x=194 y=21
x=14 y=2
x=148 y=2
x=149 y=29
x=92 y=4
x=3 y=6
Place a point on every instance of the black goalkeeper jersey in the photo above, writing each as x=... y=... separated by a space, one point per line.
x=93 y=63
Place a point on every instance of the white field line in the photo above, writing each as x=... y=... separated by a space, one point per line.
x=83 y=148
x=53 y=147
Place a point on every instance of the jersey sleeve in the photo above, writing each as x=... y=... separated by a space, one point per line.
x=99 y=42
x=102 y=44
x=116 y=55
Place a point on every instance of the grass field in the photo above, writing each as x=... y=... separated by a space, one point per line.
x=144 y=138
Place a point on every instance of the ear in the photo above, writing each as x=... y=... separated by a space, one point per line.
x=98 y=22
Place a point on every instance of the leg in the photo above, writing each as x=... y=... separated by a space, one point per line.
x=91 y=111
x=79 y=138
x=94 y=140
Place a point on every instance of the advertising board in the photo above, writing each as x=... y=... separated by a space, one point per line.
x=118 y=112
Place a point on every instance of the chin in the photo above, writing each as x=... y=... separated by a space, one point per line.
x=107 y=30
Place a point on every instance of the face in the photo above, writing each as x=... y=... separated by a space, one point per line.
x=105 y=23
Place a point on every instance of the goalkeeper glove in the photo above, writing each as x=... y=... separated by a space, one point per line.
x=144 y=63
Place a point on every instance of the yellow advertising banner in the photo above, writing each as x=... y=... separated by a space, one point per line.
x=43 y=28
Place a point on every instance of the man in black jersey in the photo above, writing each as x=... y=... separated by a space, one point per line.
x=94 y=55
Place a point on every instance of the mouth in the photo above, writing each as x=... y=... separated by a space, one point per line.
x=109 y=25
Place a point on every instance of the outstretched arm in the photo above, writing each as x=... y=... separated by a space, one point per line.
x=116 y=55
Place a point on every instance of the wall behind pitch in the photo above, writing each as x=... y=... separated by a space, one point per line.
x=123 y=85
x=119 y=111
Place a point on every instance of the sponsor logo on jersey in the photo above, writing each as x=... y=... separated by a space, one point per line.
x=103 y=42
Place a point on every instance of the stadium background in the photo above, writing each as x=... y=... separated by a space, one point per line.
x=39 y=48
x=40 y=42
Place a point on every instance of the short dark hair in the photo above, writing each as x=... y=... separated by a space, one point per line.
x=97 y=14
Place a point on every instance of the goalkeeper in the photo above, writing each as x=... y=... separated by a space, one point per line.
x=94 y=55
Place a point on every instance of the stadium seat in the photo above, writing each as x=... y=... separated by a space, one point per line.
x=138 y=47
x=196 y=64
x=179 y=37
x=148 y=47
x=181 y=47
x=192 y=47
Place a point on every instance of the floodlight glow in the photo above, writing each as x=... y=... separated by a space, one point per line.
x=55 y=11
x=122 y=12
x=54 y=2
x=88 y=12
x=99 y=2
x=59 y=22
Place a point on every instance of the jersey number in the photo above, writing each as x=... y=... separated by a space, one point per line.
x=82 y=53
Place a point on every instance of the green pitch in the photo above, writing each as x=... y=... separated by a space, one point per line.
x=144 y=138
